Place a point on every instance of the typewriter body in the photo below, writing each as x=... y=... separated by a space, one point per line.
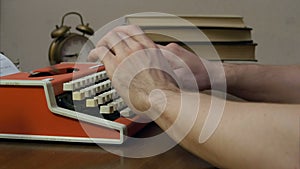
x=71 y=102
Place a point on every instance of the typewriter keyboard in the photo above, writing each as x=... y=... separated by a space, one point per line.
x=95 y=96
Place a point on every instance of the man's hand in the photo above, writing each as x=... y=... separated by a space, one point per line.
x=135 y=65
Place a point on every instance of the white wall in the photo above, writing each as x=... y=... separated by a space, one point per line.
x=25 y=25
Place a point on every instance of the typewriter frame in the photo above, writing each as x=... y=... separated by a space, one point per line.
x=103 y=131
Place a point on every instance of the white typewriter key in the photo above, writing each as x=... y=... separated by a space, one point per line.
x=84 y=81
x=88 y=81
x=78 y=96
x=92 y=90
x=119 y=104
x=106 y=84
x=89 y=93
x=127 y=112
x=103 y=98
x=107 y=109
x=79 y=84
x=91 y=102
x=68 y=86
x=76 y=85
x=72 y=85
x=102 y=75
x=114 y=94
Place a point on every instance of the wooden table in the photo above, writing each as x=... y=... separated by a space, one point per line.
x=18 y=154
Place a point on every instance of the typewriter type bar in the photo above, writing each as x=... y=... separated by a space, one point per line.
x=30 y=108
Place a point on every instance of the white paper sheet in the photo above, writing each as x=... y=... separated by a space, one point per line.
x=7 y=67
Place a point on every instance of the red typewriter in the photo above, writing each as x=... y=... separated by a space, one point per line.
x=72 y=102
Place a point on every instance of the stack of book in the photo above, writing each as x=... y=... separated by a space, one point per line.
x=213 y=37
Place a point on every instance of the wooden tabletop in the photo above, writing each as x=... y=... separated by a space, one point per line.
x=17 y=154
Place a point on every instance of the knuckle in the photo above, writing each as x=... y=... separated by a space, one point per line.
x=136 y=27
x=117 y=29
x=132 y=27
x=109 y=35
x=138 y=46
x=93 y=52
x=173 y=46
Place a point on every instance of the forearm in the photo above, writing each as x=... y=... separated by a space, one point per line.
x=250 y=135
x=263 y=82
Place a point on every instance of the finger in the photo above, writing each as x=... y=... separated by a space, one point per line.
x=129 y=41
x=137 y=34
x=99 y=53
x=104 y=55
x=114 y=42
x=132 y=44
x=93 y=56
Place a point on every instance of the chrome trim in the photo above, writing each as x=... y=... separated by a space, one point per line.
x=60 y=138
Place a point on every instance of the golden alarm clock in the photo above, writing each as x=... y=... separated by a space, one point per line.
x=67 y=46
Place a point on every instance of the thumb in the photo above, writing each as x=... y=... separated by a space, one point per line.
x=105 y=56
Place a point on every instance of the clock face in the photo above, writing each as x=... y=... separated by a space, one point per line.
x=75 y=47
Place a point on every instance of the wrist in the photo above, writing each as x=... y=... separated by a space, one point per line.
x=231 y=74
x=148 y=94
x=155 y=102
x=205 y=74
x=223 y=76
x=215 y=77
